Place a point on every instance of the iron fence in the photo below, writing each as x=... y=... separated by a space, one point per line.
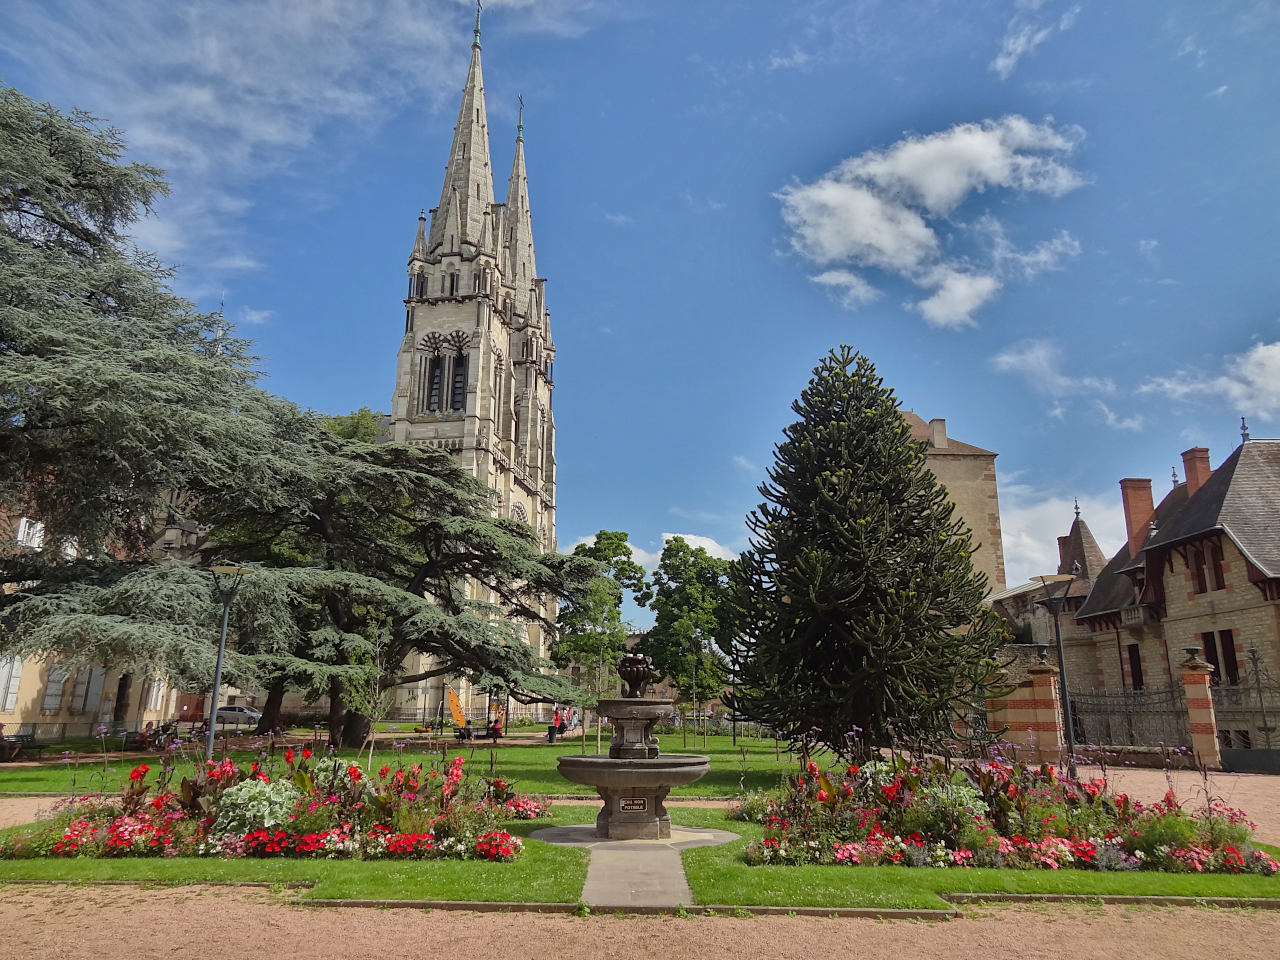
x=1135 y=718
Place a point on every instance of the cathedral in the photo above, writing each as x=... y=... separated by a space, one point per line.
x=474 y=370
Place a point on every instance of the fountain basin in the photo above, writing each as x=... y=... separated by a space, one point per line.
x=634 y=790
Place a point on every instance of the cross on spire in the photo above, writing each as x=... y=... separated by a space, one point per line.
x=520 y=119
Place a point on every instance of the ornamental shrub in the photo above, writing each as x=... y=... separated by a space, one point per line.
x=255 y=804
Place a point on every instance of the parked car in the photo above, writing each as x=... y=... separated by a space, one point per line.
x=238 y=714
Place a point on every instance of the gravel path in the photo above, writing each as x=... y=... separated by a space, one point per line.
x=110 y=923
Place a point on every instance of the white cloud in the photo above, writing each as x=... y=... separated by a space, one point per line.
x=1026 y=31
x=1037 y=362
x=638 y=554
x=620 y=219
x=1117 y=422
x=882 y=210
x=1046 y=255
x=744 y=464
x=224 y=95
x=1217 y=92
x=1190 y=48
x=957 y=296
x=1148 y=248
x=785 y=61
x=849 y=288
x=1250 y=382
x=255 y=317
x=1032 y=520
x=712 y=547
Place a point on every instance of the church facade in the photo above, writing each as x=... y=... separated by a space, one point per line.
x=474 y=372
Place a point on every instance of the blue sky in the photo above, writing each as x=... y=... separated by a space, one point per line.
x=1053 y=224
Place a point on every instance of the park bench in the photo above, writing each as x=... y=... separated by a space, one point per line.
x=18 y=744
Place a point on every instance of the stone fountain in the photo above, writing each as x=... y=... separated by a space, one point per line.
x=632 y=779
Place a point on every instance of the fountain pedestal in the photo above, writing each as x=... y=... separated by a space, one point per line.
x=633 y=780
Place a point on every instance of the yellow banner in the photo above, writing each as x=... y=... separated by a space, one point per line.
x=455 y=708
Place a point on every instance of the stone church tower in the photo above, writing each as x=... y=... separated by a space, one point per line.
x=474 y=370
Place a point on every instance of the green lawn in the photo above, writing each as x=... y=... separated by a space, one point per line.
x=532 y=765
x=543 y=874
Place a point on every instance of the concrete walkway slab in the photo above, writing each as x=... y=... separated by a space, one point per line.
x=634 y=873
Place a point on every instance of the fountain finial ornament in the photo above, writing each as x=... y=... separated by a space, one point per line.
x=637 y=672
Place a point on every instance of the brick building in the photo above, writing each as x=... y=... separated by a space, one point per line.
x=1199 y=576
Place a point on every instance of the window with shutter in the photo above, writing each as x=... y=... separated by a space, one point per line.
x=93 y=695
x=53 y=688
x=10 y=679
x=458 y=398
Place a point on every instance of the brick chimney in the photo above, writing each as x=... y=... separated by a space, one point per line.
x=1064 y=548
x=1195 y=464
x=937 y=433
x=1139 y=509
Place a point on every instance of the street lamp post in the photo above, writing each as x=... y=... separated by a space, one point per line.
x=227 y=594
x=1056 y=609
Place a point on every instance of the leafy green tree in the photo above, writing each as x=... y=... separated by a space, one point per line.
x=126 y=410
x=114 y=392
x=857 y=606
x=686 y=596
x=363 y=425
x=592 y=633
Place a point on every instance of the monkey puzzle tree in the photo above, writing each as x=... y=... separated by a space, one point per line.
x=857 y=606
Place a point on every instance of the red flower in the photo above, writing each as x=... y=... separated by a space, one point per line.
x=383 y=770
x=853 y=770
x=354 y=773
x=138 y=772
x=822 y=796
x=306 y=753
x=288 y=755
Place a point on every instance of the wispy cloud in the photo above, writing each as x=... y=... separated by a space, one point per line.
x=742 y=463
x=225 y=95
x=619 y=219
x=795 y=57
x=1217 y=92
x=1027 y=29
x=849 y=288
x=255 y=317
x=883 y=210
x=1117 y=422
x=1191 y=48
x=1148 y=249
x=1038 y=362
x=1249 y=381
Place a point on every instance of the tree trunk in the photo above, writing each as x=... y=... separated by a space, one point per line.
x=335 y=711
x=355 y=729
x=271 y=709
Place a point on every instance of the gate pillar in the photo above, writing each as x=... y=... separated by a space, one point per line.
x=1201 y=722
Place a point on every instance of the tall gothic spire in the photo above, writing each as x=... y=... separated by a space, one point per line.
x=468 y=180
x=517 y=222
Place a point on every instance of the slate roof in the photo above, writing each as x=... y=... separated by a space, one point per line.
x=1241 y=499
x=1083 y=549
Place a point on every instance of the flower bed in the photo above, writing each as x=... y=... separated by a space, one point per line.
x=990 y=814
x=311 y=807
